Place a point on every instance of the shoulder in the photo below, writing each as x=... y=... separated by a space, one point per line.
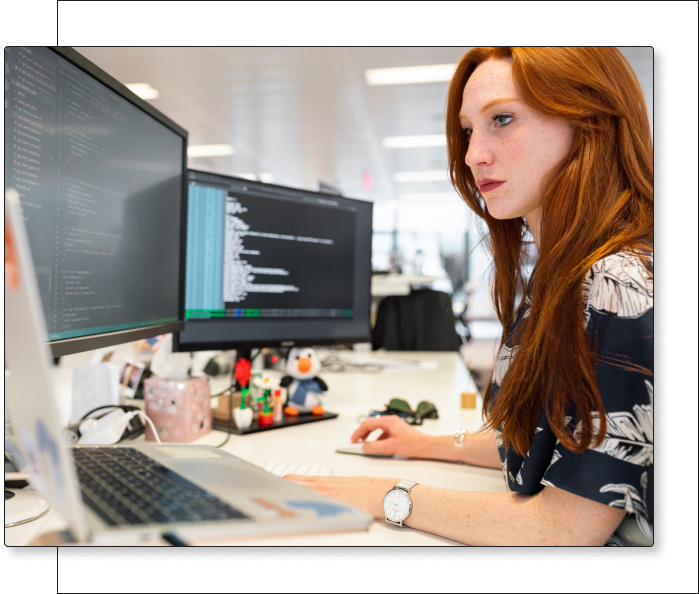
x=626 y=264
x=620 y=284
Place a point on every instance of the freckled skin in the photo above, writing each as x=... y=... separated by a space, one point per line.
x=520 y=150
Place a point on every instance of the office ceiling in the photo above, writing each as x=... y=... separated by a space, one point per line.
x=305 y=114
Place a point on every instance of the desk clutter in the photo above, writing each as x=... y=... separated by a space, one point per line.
x=242 y=413
x=175 y=391
x=181 y=408
x=268 y=402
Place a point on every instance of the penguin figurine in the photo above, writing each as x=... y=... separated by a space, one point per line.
x=304 y=387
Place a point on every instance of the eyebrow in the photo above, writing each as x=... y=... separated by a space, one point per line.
x=491 y=103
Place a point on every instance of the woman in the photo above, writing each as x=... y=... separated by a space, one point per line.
x=550 y=145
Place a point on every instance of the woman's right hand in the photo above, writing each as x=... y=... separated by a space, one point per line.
x=397 y=437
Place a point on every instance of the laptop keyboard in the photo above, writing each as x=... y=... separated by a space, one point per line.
x=125 y=487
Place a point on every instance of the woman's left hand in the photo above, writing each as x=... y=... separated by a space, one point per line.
x=364 y=493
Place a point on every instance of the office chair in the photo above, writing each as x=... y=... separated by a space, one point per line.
x=421 y=321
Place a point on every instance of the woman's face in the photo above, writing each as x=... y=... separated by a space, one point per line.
x=512 y=147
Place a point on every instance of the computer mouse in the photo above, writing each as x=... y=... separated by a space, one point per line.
x=356 y=448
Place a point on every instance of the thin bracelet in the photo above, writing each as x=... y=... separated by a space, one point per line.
x=459 y=437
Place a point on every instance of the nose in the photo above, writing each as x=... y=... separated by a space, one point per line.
x=304 y=364
x=479 y=152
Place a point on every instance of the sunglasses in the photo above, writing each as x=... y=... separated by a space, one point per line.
x=424 y=410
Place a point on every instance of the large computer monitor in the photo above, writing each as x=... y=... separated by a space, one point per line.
x=271 y=266
x=101 y=176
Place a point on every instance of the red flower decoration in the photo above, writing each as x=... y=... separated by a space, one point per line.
x=242 y=372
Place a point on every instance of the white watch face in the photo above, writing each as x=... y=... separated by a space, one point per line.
x=397 y=505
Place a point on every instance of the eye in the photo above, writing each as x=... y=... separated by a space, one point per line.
x=466 y=133
x=501 y=119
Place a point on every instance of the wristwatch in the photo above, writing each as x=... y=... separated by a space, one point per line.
x=397 y=504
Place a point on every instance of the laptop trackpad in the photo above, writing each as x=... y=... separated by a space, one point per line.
x=245 y=486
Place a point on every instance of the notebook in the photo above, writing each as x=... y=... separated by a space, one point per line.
x=262 y=503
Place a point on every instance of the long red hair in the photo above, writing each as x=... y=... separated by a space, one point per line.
x=597 y=201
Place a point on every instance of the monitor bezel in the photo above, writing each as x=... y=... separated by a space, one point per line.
x=320 y=339
x=70 y=346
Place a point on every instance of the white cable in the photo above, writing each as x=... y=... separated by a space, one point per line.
x=152 y=425
x=143 y=415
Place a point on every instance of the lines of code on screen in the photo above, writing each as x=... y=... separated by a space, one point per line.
x=257 y=254
x=100 y=184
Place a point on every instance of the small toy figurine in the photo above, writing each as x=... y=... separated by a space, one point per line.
x=242 y=372
x=266 y=417
x=279 y=394
x=243 y=415
x=304 y=387
x=263 y=384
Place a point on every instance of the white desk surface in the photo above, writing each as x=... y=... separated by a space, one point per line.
x=352 y=394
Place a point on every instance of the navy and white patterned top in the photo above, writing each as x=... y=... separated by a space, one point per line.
x=618 y=311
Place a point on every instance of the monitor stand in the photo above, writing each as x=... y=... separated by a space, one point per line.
x=23 y=506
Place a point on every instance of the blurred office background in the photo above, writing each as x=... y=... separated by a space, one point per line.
x=366 y=122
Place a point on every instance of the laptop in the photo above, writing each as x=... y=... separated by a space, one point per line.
x=235 y=498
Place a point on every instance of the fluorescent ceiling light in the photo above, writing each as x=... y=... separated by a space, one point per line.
x=418 y=176
x=425 y=140
x=143 y=90
x=209 y=150
x=410 y=74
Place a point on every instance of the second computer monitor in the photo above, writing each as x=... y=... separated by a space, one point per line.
x=274 y=266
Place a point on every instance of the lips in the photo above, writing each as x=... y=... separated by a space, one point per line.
x=488 y=185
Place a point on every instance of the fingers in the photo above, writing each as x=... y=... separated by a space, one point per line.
x=300 y=478
x=371 y=424
x=363 y=431
x=322 y=484
x=377 y=446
